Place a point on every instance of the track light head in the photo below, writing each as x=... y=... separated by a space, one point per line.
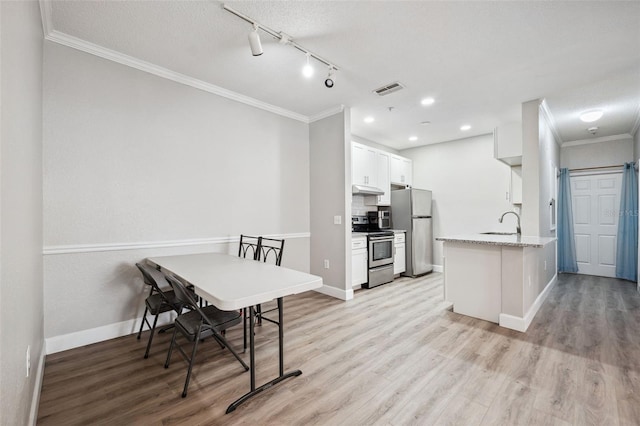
x=254 y=42
x=331 y=78
x=307 y=70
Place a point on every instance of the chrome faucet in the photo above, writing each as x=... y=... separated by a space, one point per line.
x=517 y=216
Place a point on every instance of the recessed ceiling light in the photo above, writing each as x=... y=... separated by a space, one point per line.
x=591 y=116
x=465 y=127
x=369 y=119
x=427 y=101
x=424 y=123
x=413 y=138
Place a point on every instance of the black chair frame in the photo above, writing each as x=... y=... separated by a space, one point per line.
x=158 y=301
x=212 y=322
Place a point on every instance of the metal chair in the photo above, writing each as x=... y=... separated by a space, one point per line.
x=199 y=324
x=269 y=250
x=157 y=302
x=248 y=246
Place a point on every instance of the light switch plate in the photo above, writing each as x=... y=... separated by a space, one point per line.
x=337 y=220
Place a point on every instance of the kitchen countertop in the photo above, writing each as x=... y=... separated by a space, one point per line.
x=397 y=231
x=499 y=240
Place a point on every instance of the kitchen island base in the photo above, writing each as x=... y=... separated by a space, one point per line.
x=502 y=279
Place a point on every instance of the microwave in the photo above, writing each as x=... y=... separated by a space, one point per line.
x=380 y=219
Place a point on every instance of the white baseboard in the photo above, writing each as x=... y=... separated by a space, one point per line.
x=35 y=398
x=99 y=334
x=522 y=324
x=336 y=292
x=438 y=268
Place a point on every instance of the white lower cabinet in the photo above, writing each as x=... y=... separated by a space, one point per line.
x=359 y=261
x=399 y=259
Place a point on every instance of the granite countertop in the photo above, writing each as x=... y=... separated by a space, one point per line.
x=500 y=240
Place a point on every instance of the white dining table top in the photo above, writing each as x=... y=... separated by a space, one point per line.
x=231 y=282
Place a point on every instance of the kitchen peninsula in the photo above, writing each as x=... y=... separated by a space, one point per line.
x=502 y=278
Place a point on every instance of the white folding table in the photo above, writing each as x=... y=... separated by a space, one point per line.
x=232 y=283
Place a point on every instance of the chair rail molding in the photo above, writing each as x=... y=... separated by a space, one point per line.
x=91 y=248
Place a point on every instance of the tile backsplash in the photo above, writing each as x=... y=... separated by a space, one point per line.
x=358 y=207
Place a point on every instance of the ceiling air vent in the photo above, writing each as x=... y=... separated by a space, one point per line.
x=389 y=88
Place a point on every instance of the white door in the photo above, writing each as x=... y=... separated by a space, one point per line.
x=596 y=202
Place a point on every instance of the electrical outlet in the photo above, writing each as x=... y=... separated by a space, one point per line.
x=326 y=264
x=337 y=220
x=545 y=265
x=529 y=280
x=28 y=360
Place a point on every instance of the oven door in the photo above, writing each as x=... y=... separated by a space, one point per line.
x=380 y=251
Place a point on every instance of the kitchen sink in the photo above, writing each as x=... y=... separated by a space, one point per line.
x=498 y=233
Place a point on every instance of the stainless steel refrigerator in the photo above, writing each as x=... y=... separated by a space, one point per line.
x=411 y=211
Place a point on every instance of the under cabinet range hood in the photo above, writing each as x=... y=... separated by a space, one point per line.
x=366 y=190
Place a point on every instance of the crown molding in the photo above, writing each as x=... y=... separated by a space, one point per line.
x=327 y=113
x=636 y=124
x=597 y=140
x=115 y=56
x=45 y=15
x=550 y=121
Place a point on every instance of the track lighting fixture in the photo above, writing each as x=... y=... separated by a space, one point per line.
x=331 y=79
x=256 y=46
x=254 y=42
x=307 y=70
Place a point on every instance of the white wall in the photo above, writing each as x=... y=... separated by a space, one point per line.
x=135 y=165
x=21 y=298
x=330 y=149
x=469 y=187
x=609 y=153
x=549 y=160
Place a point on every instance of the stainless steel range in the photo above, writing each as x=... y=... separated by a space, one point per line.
x=380 y=250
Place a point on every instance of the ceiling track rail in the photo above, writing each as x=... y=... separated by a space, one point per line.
x=280 y=36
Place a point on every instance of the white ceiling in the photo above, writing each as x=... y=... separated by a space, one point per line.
x=479 y=60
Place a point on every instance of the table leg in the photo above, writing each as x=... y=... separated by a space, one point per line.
x=282 y=376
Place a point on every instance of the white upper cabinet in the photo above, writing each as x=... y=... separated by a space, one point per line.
x=383 y=181
x=364 y=166
x=401 y=170
x=516 y=185
x=507 y=143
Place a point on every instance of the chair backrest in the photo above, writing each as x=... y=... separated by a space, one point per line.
x=152 y=277
x=270 y=250
x=249 y=246
x=185 y=297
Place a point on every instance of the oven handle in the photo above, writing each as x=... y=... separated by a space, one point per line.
x=381 y=238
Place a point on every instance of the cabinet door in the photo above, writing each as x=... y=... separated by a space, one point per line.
x=516 y=185
x=383 y=181
x=507 y=140
x=401 y=170
x=363 y=165
x=399 y=260
x=359 y=270
x=407 y=171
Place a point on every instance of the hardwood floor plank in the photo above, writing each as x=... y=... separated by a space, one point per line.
x=394 y=355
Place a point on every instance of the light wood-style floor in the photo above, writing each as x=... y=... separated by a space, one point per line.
x=392 y=356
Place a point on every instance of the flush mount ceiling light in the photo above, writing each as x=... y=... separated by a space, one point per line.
x=591 y=116
x=369 y=120
x=427 y=101
x=413 y=138
x=254 y=42
x=256 y=45
x=465 y=127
